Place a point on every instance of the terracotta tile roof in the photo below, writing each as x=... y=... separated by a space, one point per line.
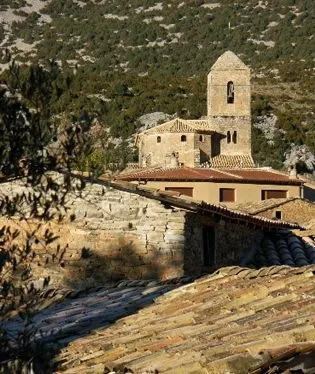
x=209 y=174
x=263 y=174
x=280 y=249
x=310 y=230
x=183 y=173
x=180 y=125
x=244 y=217
x=232 y=161
x=192 y=205
x=235 y=320
x=255 y=207
x=182 y=202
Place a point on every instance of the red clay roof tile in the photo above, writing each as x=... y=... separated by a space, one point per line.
x=209 y=174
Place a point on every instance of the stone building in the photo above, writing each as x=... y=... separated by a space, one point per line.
x=121 y=230
x=222 y=139
x=210 y=159
x=292 y=209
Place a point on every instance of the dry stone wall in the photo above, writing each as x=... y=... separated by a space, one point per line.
x=108 y=233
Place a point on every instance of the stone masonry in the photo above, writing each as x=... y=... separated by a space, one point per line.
x=294 y=210
x=109 y=231
x=226 y=131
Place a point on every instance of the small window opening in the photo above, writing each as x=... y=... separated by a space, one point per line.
x=228 y=137
x=158 y=139
x=183 y=138
x=278 y=214
x=230 y=92
x=201 y=139
x=234 y=137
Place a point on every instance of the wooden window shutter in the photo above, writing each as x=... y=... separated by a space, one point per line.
x=227 y=194
x=273 y=194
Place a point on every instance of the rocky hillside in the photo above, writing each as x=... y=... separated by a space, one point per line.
x=173 y=37
x=127 y=59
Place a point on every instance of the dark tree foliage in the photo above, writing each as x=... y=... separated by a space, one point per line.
x=26 y=132
x=25 y=119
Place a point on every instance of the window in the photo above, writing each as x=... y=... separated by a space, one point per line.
x=230 y=92
x=183 y=138
x=208 y=238
x=201 y=138
x=273 y=194
x=278 y=214
x=158 y=139
x=188 y=191
x=227 y=194
x=228 y=137
x=234 y=137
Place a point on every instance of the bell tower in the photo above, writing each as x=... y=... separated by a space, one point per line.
x=228 y=104
x=228 y=91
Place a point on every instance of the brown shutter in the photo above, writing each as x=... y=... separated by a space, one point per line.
x=188 y=191
x=273 y=194
x=227 y=194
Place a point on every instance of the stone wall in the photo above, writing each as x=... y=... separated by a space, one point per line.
x=203 y=145
x=217 y=93
x=108 y=233
x=298 y=210
x=231 y=240
x=169 y=143
x=242 y=126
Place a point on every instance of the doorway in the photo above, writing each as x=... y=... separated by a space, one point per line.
x=208 y=236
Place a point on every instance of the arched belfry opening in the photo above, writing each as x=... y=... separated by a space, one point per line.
x=234 y=137
x=228 y=137
x=230 y=92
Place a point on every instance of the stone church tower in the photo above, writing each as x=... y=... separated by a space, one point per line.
x=228 y=104
x=221 y=140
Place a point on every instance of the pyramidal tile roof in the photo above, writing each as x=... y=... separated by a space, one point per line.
x=180 y=125
x=229 y=61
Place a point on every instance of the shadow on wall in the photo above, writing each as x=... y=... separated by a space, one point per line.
x=123 y=261
x=309 y=192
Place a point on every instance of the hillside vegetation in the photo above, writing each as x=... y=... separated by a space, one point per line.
x=120 y=60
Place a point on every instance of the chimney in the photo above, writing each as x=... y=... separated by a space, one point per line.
x=173 y=160
x=293 y=173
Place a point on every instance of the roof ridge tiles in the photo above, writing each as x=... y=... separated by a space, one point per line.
x=276 y=204
x=190 y=125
